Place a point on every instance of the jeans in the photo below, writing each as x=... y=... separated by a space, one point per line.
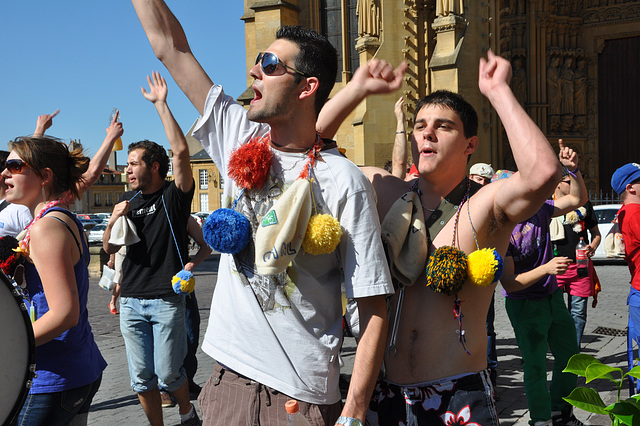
x=578 y=307
x=633 y=335
x=58 y=408
x=155 y=338
x=536 y=324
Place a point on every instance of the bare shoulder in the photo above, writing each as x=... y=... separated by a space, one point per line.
x=388 y=188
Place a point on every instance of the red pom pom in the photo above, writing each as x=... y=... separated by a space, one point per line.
x=249 y=165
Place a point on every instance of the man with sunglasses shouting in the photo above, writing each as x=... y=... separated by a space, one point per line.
x=276 y=316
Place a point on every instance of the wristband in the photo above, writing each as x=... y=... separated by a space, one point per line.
x=348 y=421
x=402 y=131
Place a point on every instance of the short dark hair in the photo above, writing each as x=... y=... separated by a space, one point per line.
x=456 y=103
x=3 y=159
x=317 y=58
x=153 y=153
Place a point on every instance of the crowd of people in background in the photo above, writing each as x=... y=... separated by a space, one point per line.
x=303 y=228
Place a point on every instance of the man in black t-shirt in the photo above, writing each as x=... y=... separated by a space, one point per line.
x=566 y=232
x=152 y=315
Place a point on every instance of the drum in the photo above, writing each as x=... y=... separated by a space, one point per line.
x=17 y=351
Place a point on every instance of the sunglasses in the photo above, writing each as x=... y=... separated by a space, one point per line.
x=15 y=165
x=269 y=63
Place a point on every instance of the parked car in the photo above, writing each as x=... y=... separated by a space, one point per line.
x=201 y=217
x=96 y=233
x=87 y=224
x=605 y=213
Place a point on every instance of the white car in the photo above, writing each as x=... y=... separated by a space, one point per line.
x=605 y=213
x=96 y=233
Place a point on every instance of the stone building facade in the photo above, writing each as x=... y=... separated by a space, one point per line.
x=575 y=67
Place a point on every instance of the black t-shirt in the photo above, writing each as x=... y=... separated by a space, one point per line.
x=151 y=263
x=567 y=246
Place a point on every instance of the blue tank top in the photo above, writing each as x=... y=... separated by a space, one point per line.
x=72 y=359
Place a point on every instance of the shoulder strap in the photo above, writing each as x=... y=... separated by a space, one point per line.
x=4 y=205
x=68 y=213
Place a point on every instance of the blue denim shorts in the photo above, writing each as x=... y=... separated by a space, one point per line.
x=155 y=337
x=57 y=408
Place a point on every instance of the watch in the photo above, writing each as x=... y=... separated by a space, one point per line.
x=348 y=421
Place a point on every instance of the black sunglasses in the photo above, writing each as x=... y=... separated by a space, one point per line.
x=15 y=165
x=269 y=63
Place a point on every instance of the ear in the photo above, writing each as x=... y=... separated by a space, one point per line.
x=309 y=86
x=155 y=167
x=47 y=175
x=472 y=145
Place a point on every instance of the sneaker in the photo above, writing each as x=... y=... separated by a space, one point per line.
x=566 y=421
x=193 y=421
x=166 y=400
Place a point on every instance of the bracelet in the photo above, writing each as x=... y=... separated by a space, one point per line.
x=348 y=421
x=402 y=131
x=573 y=172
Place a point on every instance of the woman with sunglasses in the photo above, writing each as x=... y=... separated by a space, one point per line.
x=42 y=174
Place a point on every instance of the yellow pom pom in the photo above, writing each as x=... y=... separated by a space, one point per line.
x=182 y=286
x=323 y=234
x=484 y=267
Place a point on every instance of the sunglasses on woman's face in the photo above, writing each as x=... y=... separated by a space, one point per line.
x=269 y=63
x=15 y=165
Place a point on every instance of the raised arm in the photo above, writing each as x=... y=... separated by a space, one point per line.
x=376 y=77
x=399 y=153
x=170 y=45
x=539 y=172
x=577 y=196
x=43 y=123
x=99 y=161
x=157 y=95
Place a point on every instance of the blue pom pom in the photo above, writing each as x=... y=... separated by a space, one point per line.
x=226 y=231
x=500 y=267
x=183 y=282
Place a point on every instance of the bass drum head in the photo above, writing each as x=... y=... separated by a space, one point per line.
x=17 y=351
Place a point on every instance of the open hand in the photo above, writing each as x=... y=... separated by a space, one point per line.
x=157 y=88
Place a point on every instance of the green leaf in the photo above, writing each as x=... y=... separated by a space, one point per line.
x=634 y=372
x=628 y=413
x=601 y=371
x=587 y=399
x=578 y=364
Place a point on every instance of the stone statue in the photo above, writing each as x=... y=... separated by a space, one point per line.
x=445 y=7
x=580 y=87
x=519 y=80
x=567 y=87
x=368 y=18
x=553 y=86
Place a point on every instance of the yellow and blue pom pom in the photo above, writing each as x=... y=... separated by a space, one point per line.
x=484 y=267
x=226 y=231
x=183 y=282
x=323 y=234
x=447 y=270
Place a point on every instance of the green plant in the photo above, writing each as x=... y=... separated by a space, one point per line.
x=621 y=412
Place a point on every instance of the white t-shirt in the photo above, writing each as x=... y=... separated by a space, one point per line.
x=13 y=219
x=285 y=330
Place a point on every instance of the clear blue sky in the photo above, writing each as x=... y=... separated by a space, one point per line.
x=89 y=56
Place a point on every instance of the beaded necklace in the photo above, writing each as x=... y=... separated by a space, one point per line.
x=23 y=247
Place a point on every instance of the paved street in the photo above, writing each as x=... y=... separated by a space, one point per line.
x=115 y=403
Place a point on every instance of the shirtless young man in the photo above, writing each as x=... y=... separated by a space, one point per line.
x=428 y=358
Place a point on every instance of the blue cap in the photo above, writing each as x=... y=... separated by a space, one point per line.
x=624 y=176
